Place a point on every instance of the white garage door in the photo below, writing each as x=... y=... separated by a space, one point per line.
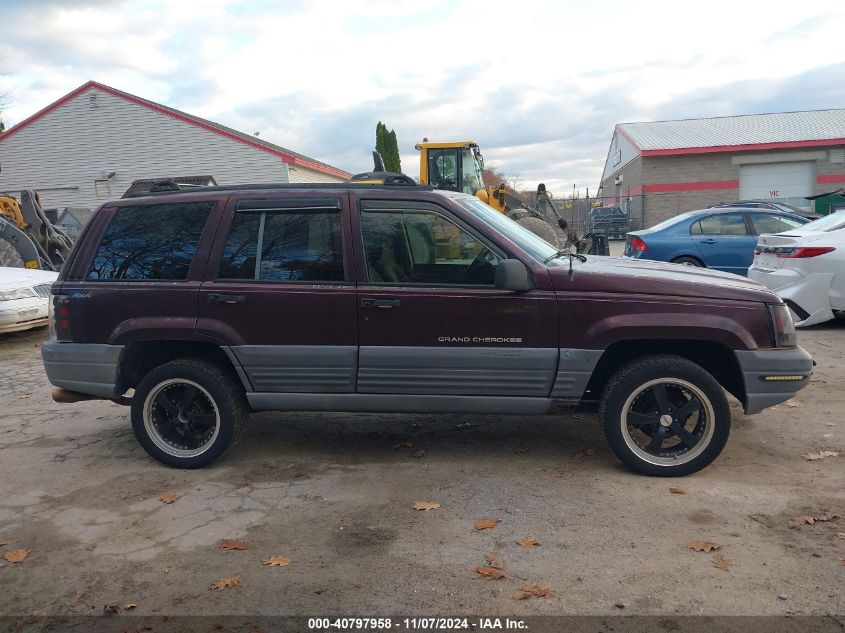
x=788 y=182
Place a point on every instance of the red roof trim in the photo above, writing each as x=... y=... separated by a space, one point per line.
x=287 y=158
x=742 y=148
x=630 y=139
x=702 y=185
x=829 y=179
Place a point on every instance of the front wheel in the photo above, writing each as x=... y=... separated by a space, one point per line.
x=187 y=413
x=665 y=416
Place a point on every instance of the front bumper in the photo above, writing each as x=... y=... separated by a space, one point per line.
x=22 y=314
x=87 y=368
x=810 y=293
x=772 y=376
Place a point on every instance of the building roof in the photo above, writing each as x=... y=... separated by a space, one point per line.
x=731 y=133
x=288 y=156
x=80 y=213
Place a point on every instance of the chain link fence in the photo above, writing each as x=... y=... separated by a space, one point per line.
x=610 y=216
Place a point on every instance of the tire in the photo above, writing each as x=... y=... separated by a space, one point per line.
x=216 y=419
x=9 y=255
x=540 y=228
x=689 y=261
x=633 y=417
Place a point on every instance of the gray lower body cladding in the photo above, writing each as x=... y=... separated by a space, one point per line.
x=89 y=368
x=764 y=371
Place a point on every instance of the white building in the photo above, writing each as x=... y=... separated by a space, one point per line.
x=88 y=147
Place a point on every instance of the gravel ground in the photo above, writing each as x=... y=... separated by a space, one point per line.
x=335 y=495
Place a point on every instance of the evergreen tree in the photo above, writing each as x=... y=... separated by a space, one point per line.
x=388 y=147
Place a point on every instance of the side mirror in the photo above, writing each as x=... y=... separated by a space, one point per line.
x=511 y=274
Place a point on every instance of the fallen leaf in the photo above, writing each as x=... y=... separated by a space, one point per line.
x=420 y=452
x=223 y=583
x=677 y=490
x=802 y=520
x=819 y=455
x=16 y=555
x=528 y=543
x=704 y=546
x=230 y=545
x=793 y=403
x=841 y=535
x=170 y=497
x=402 y=445
x=277 y=561
x=486 y=524
x=110 y=609
x=722 y=562
x=426 y=505
x=534 y=591
x=75 y=600
x=129 y=606
x=556 y=473
x=827 y=516
x=2 y=543
x=495 y=561
x=490 y=572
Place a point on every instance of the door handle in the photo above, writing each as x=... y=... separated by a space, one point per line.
x=708 y=241
x=379 y=303
x=216 y=298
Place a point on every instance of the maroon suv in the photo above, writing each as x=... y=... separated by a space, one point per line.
x=201 y=307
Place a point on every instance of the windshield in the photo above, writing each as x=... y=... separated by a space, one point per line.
x=472 y=171
x=832 y=222
x=535 y=246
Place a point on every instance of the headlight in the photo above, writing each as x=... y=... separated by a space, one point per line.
x=783 y=326
x=18 y=293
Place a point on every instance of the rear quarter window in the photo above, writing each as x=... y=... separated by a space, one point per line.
x=150 y=242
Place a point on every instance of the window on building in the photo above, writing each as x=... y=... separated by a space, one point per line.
x=721 y=224
x=295 y=245
x=150 y=242
x=423 y=247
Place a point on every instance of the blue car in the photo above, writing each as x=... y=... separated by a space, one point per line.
x=722 y=239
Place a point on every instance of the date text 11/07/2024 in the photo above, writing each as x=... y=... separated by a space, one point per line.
x=415 y=624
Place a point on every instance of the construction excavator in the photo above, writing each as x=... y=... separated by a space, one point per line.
x=28 y=239
x=459 y=166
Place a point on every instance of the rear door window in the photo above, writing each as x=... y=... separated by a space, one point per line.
x=284 y=245
x=768 y=223
x=150 y=242
x=721 y=224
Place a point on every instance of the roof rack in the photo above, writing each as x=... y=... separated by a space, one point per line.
x=284 y=185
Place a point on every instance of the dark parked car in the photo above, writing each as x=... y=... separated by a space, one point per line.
x=197 y=308
x=610 y=221
x=770 y=206
x=723 y=239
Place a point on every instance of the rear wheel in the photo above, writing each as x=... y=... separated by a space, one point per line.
x=540 y=228
x=665 y=416
x=688 y=261
x=187 y=413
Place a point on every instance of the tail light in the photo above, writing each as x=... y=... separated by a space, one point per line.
x=59 y=309
x=637 y=245
x=804 y=251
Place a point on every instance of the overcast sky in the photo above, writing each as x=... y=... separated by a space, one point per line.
x=539 y=85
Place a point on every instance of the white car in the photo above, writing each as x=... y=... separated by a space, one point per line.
x=806 y=268
x=24 y=298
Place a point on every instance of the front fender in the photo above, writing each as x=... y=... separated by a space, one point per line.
x=716 y=328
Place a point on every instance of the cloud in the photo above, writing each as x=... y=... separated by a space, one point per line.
x=539 y=86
